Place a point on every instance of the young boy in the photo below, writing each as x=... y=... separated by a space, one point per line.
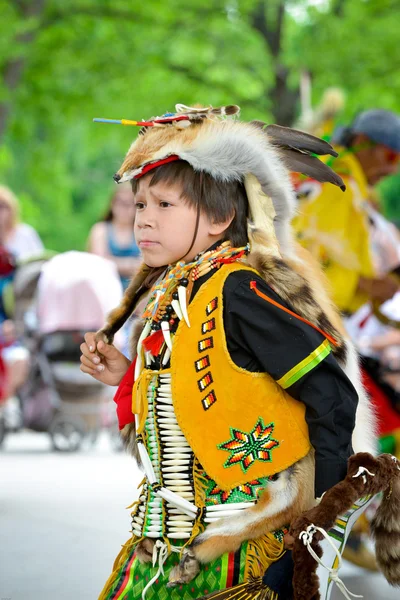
x=236 y=383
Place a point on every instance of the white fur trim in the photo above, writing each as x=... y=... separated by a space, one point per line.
x=364 y=434
x=283 y=493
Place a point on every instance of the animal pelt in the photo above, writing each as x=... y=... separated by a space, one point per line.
x=385 y=529
x=282 y=500
x=228 y=151
x=335 y=502
x=339 y=499
x=139 y=285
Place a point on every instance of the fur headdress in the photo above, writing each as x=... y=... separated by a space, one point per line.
x=214 y=141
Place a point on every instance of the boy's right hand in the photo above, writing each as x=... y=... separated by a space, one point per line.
x=108 y=366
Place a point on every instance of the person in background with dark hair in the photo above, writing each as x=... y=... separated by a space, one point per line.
x=342 y=230
x=113 y=237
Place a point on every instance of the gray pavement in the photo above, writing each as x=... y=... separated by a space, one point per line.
x=62 y=521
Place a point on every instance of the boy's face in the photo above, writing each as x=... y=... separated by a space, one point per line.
x=165 y=224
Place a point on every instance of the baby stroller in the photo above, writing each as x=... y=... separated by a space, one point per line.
x=75 y=291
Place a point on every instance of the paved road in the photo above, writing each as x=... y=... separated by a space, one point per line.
x=62 y=521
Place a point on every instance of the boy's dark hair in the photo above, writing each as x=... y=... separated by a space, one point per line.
x=218 y=200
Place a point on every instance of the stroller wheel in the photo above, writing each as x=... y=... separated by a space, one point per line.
x=66 y=434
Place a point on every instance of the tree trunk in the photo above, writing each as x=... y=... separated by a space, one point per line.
x=284 y=100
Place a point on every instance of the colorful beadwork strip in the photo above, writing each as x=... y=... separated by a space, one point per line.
x=206 y=344
x=205 y=381
x=209 y=400
x=202 y=363
x=305 y=366
x=211 y=306
x=208 y=326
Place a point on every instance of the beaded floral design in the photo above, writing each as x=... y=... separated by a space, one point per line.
x=246 y=448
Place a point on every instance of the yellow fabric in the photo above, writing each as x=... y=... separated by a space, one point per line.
x=333 y=225
x=241 y=397
x=261 y=553
x=140 y=404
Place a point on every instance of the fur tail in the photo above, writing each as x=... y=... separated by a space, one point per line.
x=386 y=531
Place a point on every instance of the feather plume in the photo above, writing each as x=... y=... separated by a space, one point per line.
x=300 y=162
x=299 y=140
x=296 y=148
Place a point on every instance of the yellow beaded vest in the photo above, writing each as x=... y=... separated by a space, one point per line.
x=240 y=425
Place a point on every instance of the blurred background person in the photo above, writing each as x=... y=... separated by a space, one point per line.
x=360 y=252
x=113 y=237
x=14 y=358
x=19 y=238
x=342 y=229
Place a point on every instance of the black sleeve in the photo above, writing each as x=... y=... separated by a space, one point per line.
x=263 y=337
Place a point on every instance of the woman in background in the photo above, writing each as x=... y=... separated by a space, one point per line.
x=18 y=238
x=113 y=237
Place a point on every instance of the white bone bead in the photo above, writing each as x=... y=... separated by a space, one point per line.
x=177 y=450
x=176 y=462
x=182 y=303
x=178 y=525
x=164 y=400
x=154 y=528
x=170 y=439
x=176 y=445
x=167 y=334
x=178 y=529
x=186 y=495
x=166 y=357
x=174 y=469
x=153 y=534
x=174 y=476
x=177 y=308
x=239 y=505
x=178 y=501
x=165 y=408
x=179 y=536
x=155 y=501
x=138 y=520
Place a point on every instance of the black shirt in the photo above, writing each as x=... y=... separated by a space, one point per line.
x=262 y=337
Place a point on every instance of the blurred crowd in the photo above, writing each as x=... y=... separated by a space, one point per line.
x=48 y=301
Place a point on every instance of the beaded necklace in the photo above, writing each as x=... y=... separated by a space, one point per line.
x=170 y=297
x=181 y=274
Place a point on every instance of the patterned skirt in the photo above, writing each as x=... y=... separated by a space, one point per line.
x=130 y=577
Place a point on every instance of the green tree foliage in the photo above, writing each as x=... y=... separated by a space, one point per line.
x=63 y=63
